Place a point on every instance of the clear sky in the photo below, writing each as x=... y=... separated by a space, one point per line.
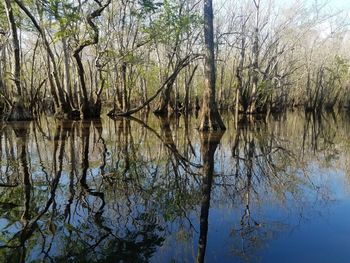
x=340 y=4
x=333 y=4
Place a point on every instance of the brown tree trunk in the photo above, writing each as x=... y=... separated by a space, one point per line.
x=16 y=48
x=162 y=108
x=211 y=119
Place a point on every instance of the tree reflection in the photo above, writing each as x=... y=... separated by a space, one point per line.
x=119 y=190
x=209 y=143
x=22 y=137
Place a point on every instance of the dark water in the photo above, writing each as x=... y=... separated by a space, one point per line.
x=157 y=191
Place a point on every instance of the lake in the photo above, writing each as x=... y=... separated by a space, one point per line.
x=148 y=189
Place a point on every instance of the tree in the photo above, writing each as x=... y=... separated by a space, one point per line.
x=174 y=27
x=91 y=108
x=211 y=119
x=18 y=110
x=16 y=48
x=62 y=102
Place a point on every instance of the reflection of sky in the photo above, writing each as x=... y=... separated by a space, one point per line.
x=310 y=225
x=314 y=232
x=311 y=229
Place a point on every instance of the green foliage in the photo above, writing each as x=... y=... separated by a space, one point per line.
x=172 y=23
x=3 y=19
x=64 y=14
x=149 y=6
x=336 y=75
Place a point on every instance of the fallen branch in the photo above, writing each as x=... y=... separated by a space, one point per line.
x=180 y=65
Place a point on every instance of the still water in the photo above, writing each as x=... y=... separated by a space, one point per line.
x=156 y=190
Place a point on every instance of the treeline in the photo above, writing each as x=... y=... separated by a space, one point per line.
x=72 y=58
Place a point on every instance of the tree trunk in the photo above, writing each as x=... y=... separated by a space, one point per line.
x=239 y=75
x=162 y=108
x=187 y=90
x=16 y=48
x=91 y=107
x=252 y=100
x=125 y=87
x=211 y=119
x=256 y=52
x=67 y=75
x=18 y=112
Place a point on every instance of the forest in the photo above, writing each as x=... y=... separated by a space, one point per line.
x=174 y=131
x=82 y=59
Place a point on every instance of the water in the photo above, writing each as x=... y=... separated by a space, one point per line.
x=157 y=191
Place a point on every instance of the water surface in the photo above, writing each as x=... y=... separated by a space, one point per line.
x=156 y=190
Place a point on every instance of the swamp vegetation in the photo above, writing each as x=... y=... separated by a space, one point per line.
x=72 y=58
x=174 y=131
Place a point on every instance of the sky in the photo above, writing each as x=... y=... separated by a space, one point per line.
x=333 y=4
x=339 y=4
